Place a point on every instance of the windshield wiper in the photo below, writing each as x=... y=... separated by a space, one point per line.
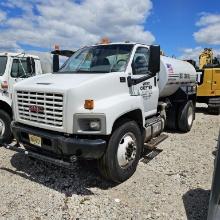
x=27 y=75
x=64 y=72
x=81 y=71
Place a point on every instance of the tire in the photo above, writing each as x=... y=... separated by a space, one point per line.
x=214 y=110
x=186 y=116
x=5 y=130
x=171 y=121
x=113 y=165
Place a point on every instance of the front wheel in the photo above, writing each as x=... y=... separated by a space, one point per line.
x=5 y=131
x=123 y=153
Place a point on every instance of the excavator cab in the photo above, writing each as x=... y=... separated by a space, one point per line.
x=209 y=81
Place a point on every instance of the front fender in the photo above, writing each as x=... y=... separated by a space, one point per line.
x=4 y=97
x=116 y=106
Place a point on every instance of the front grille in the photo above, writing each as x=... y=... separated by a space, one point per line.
x=40 y=107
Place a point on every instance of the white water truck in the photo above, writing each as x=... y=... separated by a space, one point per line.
x=107 y=102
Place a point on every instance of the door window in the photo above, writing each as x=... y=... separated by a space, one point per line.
x=3 y=62
x=19 y=68
x=141 y=61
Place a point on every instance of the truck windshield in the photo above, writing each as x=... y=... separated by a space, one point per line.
x=3 y=62
x=98 y=59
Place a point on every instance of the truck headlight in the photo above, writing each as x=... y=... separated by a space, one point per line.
x=95 y=125
x=89 y=124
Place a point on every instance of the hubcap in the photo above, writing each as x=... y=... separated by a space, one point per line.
x=2 y=128
x=190 y=116
x=127 y=150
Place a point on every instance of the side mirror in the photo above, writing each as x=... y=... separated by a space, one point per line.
x=154 y=60
x=30 y=65
x=133 y=68
x=56 y=63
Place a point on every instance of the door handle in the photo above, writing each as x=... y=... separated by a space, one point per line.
x=155 y=81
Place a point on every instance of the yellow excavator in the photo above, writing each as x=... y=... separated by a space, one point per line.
x=208 y=78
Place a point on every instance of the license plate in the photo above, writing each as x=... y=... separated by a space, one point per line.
x=35 y=140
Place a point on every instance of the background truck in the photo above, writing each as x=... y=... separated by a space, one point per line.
x=13 y=68
x=106 y=103
x=209 y=81
x=18 y=66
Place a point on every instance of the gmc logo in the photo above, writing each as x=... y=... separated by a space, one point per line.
x=36 y=109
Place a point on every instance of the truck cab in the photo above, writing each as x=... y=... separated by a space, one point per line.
x=14 y=67
x=105 y=103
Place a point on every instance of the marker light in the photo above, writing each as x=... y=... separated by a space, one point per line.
x=4 y=85
x=56 y=47
x=105 y=40
x=89 y=104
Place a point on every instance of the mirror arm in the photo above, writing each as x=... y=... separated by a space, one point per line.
x=132 y=82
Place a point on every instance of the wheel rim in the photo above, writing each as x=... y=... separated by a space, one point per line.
x=2 y=128
x=127 y=149
x=190 y=116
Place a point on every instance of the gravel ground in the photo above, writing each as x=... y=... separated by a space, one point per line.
x=173 y=185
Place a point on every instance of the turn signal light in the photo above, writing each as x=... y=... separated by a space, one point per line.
x=105 y=40
x=4 y=85
x=89 y=104
x=56 y=47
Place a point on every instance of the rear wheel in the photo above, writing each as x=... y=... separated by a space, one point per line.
x=123 y=153
x=5 y=130
x=186 y=116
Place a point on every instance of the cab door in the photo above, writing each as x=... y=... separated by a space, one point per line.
x=216 y=81
x=19 y=71
x=148 y=89
x=204 y=79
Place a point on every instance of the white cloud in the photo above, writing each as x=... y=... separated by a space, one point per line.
x=71 y=25
x=208 y=34
x=207 y=19
x=2 y=16
x=193 y=53
x=209 y=31
x=8 y=45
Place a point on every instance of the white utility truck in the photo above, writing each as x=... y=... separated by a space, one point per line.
x=13 y=68
x=104 y=103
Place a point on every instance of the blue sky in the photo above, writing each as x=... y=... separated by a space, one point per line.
x=173 y=23
x=181 y=27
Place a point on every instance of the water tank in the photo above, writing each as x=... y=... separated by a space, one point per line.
x=173 y=74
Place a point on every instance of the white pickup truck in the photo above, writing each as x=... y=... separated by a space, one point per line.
x=104 y=103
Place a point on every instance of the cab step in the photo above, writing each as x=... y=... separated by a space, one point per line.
x=155 y=141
